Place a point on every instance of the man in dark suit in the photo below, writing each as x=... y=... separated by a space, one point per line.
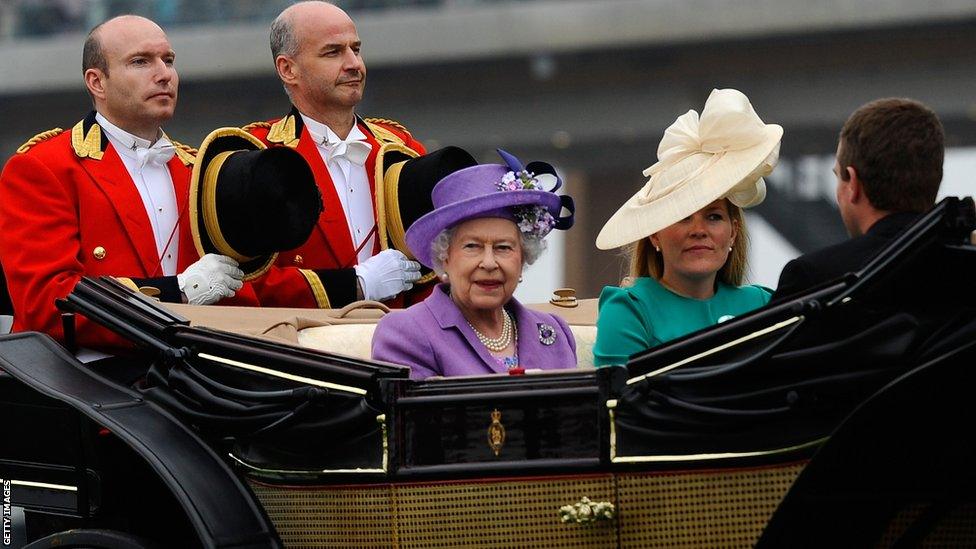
x=888 y=169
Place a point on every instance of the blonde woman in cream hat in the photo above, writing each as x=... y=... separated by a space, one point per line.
x=686 y=230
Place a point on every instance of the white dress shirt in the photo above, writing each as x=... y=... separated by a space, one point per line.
x=155 y=185
x=349 y=177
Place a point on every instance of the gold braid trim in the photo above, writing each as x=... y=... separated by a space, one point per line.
x=209 y=203
x=254 y=125
x=318 y=289
x=43 y=136
x=186 y=153
x=389 y=122
x=384 y=135
x=389 y=222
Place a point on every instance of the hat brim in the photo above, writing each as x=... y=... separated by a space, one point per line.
x=203 y=226
x=389 y=161
x=424 y=230
x=635 y=221
x=389 y=224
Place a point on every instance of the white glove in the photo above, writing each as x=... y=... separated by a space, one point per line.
x=386 y=274
x=212 y=278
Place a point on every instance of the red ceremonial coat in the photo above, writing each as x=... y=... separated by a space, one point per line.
x=68 y=208
x=320 y=272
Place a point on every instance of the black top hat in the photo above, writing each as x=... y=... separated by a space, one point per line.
x=249 y=202
x=404 y=181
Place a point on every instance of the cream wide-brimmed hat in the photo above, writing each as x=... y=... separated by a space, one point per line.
x=725 y=152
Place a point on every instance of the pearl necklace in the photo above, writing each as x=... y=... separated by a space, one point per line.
x=500 y=343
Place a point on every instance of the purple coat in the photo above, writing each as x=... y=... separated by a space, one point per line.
x=434 y=339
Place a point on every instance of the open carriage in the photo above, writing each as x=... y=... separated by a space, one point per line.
x=837 y=417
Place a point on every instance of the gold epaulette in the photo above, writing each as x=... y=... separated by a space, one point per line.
x=389 y=122
x=285 y=131
x=186 y=153
x=43 y=136
x=254 y=125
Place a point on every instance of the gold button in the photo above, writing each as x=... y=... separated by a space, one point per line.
x=99 y=253
x=299 y=260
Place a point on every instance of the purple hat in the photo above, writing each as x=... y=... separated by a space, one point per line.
x=508 y=191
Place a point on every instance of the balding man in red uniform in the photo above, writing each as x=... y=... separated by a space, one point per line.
x=109 y=196
x=317 y=55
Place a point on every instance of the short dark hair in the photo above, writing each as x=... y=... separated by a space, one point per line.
x=92 y=56
x=896 y=146
x=283 y=37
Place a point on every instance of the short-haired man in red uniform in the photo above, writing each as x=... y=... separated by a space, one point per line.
x=316 y=50
x=109 y=196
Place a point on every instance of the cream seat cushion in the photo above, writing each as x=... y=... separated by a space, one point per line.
x=355 y=339
x=345 y=339
x=349 y=331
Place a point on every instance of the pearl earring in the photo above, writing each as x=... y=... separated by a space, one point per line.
x=658 y=248
x=730 y=248
x=443 y=278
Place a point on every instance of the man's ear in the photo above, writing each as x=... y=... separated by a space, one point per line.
x=286 y=69
x=854 y=184
x=95 y=82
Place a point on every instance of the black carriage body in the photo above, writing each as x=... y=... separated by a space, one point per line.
x=491 y=425
x=233 y=441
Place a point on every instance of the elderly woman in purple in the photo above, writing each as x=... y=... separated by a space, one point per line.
x=489 y=221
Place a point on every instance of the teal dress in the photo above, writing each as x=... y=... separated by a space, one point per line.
x=647 y=314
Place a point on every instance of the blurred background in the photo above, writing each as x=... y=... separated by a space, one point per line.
x=589 y=85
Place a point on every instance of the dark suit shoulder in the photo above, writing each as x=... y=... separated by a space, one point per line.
x=827 y=264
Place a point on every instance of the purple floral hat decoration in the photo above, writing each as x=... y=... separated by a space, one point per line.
x=526 y=195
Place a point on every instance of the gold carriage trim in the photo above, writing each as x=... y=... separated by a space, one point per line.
x=381 y=419
x=43 y=485
x=496 y=433
x=315 y=472
x=714 y=350
x=87 y=146
x=388 y=122
x=43 y=136
x=186 y=153
x=318 y=289
x=283 y=131
x=614 y=458
x=283 y=375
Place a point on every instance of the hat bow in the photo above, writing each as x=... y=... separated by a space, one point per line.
x=727 y=123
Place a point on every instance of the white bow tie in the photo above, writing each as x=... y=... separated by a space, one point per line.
x=355 y=152
x=157 y=155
